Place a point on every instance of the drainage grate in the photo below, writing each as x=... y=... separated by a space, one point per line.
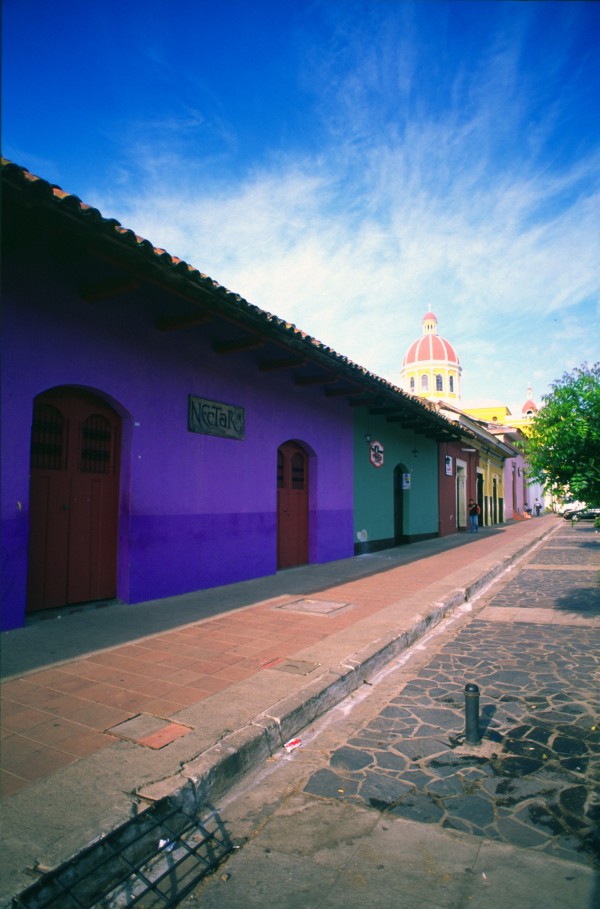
x=151 y=861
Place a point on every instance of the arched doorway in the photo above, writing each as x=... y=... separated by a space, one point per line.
x=74 y=499
x=292 y=505
x=480 y=499
x=494 y=500
x=400 y=471
x=461 y=496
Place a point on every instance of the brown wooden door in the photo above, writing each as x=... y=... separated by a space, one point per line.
x=74 y=500
x=292 y=506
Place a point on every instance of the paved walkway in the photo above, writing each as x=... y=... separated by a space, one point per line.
x=105 y=710
x=384 y=804
x=534 y=650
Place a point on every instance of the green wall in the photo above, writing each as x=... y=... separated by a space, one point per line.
x=374 y=487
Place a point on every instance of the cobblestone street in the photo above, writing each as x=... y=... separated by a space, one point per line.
x=534 y=780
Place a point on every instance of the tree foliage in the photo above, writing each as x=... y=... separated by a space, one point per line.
x=563 y=449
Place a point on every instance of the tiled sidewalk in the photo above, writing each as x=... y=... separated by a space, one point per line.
x=54 y=717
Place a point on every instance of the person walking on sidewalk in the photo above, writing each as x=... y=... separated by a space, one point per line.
x=474 y=510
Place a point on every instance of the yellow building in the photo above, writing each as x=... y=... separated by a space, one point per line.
x=497 y=413
x=431 y=368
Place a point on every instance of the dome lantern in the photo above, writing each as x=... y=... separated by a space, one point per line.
x=529 y=408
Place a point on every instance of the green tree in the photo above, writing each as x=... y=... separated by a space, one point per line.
x=563 y=449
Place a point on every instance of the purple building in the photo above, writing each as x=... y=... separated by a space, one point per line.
x=159 y=434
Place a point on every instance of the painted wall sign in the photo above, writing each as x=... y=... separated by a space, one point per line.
x=376 y=454
x=214 y=418
x=448 y=466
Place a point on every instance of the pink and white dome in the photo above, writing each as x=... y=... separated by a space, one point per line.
x=430 y=346
x=529 y=407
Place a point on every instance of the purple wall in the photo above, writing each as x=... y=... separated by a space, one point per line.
x=196 y=510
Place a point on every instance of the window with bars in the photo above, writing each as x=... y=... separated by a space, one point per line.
x=47 y=438
x=96 y=445
x=439 y=382
x=298 y=471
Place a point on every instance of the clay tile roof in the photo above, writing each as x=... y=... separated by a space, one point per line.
x=51 y=195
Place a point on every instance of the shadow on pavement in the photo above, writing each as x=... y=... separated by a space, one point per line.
x=584 y=600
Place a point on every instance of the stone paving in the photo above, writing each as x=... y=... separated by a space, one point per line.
x=563 y=575
x=534 y=781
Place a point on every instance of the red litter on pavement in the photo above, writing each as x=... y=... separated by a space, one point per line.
x=293 y=743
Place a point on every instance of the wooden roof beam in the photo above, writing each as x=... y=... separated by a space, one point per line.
x=382 y=411
x=340 y=392
x=286 y=363
x=315 y=380
x=242 y=344
x=102 y=290
x=366 y=401
x=401 y=418
x=176 y=323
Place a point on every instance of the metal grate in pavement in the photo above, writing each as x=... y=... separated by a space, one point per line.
x=151 y=861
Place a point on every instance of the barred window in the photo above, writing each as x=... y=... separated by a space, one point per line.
x=47 y=438
x=96 y=445
x=298 y=471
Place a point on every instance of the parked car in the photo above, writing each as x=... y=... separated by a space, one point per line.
x=582 y=514
x=571 y=506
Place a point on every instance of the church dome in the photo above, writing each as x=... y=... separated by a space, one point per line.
x=529 y=407
x=431 y=368
x=430 y=346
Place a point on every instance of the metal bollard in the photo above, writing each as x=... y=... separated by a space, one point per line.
x=472 y=736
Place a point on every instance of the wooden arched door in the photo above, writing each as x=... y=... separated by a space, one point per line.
x=292 y=506
x=74 y=499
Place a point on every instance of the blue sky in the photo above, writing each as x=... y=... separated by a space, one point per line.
x=346 y=165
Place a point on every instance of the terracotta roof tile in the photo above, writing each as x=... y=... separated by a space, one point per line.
x=110 y=227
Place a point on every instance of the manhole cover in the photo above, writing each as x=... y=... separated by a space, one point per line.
x=321 y=607
x=297 y=667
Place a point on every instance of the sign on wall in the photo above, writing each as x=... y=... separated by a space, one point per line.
x=405 y=481
x=448 y=466
x=214 y=418
x=376 y=454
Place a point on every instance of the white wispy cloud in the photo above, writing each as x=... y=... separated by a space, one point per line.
x=399 y=209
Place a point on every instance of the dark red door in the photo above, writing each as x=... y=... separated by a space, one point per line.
x=292 y=506
x=74 y=500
